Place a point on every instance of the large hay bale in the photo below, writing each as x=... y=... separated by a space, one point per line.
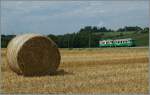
x=33 y=54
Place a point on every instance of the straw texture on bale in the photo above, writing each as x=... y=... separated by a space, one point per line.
x=33 y=54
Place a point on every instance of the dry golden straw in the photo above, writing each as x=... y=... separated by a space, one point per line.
x=33 y=54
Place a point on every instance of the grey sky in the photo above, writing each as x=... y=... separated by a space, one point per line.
x=60 y=17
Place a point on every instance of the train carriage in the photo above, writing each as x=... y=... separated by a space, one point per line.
x=117 y=43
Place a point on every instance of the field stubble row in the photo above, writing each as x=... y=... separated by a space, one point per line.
x=110 y=70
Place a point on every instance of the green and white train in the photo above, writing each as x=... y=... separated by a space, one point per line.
x=129 y=42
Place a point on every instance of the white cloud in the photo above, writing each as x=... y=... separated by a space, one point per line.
x=43 y=15
x=100 y=24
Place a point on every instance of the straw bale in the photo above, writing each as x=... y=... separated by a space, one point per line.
x=33 y=54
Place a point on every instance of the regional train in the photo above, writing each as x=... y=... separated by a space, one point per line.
x=128 y=42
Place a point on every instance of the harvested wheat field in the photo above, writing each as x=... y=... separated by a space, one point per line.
x=104 y=70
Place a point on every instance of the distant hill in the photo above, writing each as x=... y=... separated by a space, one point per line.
x=89 y=37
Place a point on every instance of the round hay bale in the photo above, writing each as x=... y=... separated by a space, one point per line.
x=33 y=54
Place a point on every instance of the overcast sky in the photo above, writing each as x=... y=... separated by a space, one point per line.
x=60 y=17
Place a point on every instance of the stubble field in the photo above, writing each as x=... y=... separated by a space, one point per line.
x=105 y=70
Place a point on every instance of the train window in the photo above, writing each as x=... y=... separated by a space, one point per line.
x=128 y=41
x=111 y=42
x=104 y=42
x=116 y=41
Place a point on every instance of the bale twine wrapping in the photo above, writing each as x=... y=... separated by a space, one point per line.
x=33 y=54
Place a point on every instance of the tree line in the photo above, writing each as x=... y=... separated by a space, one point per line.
x=88 y=36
